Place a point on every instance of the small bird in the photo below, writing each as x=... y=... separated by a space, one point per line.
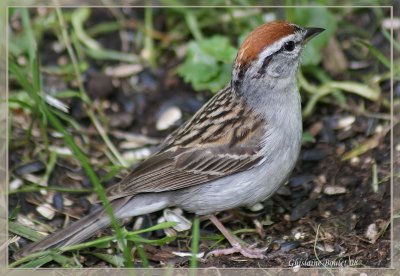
x=237 y=150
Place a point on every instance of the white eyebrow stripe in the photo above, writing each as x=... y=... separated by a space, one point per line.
x=274 y=47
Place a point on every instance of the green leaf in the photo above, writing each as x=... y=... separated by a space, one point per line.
x=20 y=99
x=308 y=137
x=219 y=47
x=208 y=63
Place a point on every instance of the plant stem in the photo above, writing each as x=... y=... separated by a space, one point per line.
x=195 y=243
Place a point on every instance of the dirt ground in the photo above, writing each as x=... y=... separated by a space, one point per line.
x=331 y=211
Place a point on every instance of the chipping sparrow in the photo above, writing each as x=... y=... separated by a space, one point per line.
x=235 y=151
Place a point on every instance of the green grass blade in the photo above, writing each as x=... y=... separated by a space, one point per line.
x=24 y=231
x=195 y=242
x=38 y=262
x=114 y=260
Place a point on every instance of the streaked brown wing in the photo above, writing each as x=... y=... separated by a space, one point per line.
x=171 y=171
x=211 y=145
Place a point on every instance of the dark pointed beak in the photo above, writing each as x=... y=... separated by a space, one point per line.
x=311 y=32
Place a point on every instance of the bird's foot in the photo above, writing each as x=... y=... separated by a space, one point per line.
x=247 y=251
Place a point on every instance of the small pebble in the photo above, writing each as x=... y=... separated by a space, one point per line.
x=334 y=190
x=300 y=180
x=321 y=179
x=68 y=202
x=379 y=129
x=58 y=201
x=343 y=122
x=169 y=232
x=143 y=222
x=368 y=160
x=297 y=236
x=56 y=134
x=35 y=179
x=389 y=23
x=168 y=118
x=183 y=223
x=138 y=223
x=24 y=220
x=99 y=85
x=284 y=191
x=329 y=248
x=178 y=211
x=372 y=233
x=135 y=155
x=46 y=211
x=124 y=70
x=188 y=254
x=61 y=150
x=289 y=245
x=15 y=184
x=327 y=214
x=355 y=161
x=256 y=207
x=31 y=167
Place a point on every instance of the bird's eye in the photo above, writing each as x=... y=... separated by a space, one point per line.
x=289 y=46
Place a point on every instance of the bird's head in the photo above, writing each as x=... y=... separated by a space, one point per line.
x=271 y=51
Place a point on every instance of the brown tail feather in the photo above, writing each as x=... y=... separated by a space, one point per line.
x=87 y=226
x=77 y=232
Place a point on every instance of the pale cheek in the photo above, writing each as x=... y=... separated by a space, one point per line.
x=278 y=70
x=282 y=68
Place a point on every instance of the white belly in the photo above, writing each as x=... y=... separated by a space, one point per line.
x=245 y=188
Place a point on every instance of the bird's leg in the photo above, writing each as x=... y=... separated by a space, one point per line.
x=249 y=251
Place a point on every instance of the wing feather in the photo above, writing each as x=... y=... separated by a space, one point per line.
x=192 y=155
